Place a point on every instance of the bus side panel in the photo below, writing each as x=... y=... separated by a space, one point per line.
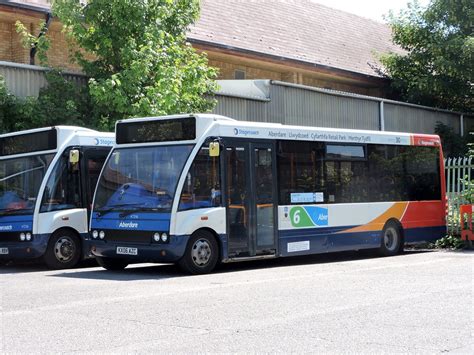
x=330 y=228
x=424 y=221
x=48 y=222
x=185 y=223
x=312 y=229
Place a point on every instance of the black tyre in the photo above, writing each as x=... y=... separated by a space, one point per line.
x=391 y=239
x=64 y=250
x=111 y=264
x=201 y=255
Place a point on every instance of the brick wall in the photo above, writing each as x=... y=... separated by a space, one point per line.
x=11 y=49
x=5 y=41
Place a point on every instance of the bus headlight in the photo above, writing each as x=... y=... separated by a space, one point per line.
x=95 y=234
x=28 y=236
x=164 y=237
x=22 y=237
x=156 y=237
x=101 y=234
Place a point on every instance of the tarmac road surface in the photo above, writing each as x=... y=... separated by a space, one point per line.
x=418 y=302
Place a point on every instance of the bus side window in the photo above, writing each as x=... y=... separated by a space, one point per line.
x=202 y=186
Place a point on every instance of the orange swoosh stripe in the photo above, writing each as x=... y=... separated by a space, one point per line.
x=396 y=211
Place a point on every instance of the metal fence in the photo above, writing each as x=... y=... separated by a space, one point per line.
x=287 y=103
x=458 y=170
x=24 y=80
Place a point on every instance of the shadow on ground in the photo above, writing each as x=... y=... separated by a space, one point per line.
x=36 y=265
x=166 y=271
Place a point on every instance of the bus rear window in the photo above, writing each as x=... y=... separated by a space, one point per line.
x=182 y=129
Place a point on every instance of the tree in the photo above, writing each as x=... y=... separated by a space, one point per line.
x=438 y=67
x=58 y=103
x=137 y=57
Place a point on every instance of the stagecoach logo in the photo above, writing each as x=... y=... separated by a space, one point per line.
x=245 y=132
x=103 y=141
x=6 y=228
x=128 y=225
x=424 y=142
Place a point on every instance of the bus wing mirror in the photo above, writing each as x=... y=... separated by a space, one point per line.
x=214 y=149
x=73 y=156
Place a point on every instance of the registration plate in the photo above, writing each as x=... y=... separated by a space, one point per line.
x=127 y=251
x=3 y=251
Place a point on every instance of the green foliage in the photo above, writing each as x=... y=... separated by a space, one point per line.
x=61 y=102
x=438 y=68
x=468 y=191
x=450 y=242
x=453 y=144
x=141 y=62
x=41 y=42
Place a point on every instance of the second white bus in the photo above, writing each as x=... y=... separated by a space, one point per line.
x=47 y=180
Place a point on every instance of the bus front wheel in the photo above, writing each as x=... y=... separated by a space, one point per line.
x=63 y=251
x=201 y=255
x=111 y=264
x=391 y=239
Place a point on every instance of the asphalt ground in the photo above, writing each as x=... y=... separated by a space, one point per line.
x=418 y=302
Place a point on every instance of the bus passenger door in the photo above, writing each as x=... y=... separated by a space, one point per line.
x=92 y=162
x=250 y=199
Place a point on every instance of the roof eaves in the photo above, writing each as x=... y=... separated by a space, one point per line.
x=23 y=6
x=285 y=59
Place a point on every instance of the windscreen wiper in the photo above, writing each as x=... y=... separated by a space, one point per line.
x=11 y=211
x=137 y=209
x=103 y=211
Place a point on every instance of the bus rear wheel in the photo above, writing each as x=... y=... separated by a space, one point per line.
x=201 y=255
x=391 y=239
x=63 y=251
x=111 y=264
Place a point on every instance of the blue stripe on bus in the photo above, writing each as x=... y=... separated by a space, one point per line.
x=16 y=223
x=424 y=234
x=146 y=221
x=322 y=240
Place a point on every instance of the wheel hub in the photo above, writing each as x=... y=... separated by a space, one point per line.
x=390 y=238
x=64 y=249
x=201 y=252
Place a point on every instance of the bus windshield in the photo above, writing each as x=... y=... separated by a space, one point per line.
x=141 y=179
x=20 y=180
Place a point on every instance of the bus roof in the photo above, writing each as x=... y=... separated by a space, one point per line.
x=72 y=129
x=50 y=139
x=227 y=127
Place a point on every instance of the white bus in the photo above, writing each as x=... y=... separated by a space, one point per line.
x=47 y=181
x=202 y=189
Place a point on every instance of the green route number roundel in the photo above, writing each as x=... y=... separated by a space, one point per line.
x=300 y=218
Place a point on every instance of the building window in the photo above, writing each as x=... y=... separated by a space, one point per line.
x=239 y=74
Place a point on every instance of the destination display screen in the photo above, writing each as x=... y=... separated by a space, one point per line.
x=181 y=129
x=28 y=143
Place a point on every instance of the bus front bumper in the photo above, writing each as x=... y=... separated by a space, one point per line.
x=155 y=253
x=24 y=250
